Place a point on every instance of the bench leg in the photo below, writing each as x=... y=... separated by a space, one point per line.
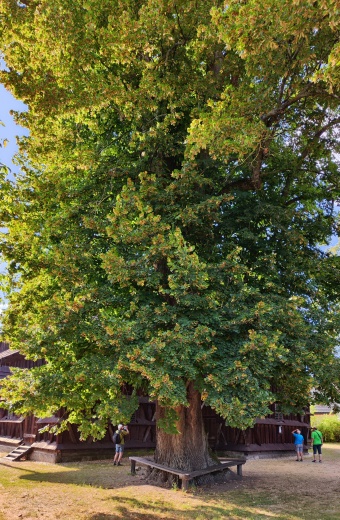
x=133 y=467
x=185 y=484
x=239 y=469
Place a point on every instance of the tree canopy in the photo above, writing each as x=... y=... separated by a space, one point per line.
x=179 y=179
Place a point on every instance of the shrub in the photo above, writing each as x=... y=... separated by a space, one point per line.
x=329 y=425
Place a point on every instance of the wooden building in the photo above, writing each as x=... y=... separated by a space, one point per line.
x=268 y=438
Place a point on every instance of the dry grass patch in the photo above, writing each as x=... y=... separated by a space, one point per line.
x=272 y=489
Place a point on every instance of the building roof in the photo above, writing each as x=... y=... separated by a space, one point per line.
x=7 y=353
x=321 y=408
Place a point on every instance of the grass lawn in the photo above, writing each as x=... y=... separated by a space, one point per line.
x=273 y=489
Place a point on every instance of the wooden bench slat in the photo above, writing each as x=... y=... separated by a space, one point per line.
x=147 y=462
x=212 y=469
x=185 y=476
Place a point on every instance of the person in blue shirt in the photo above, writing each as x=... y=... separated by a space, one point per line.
x=298 y=443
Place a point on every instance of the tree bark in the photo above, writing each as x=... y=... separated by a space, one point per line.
x=188 y=450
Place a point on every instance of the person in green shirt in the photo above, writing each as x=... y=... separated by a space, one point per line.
x=316 y=436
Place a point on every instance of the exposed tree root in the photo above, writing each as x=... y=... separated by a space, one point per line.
x=160 y=478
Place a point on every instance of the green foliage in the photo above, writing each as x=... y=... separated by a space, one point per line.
x=179 y=176
x=329 y=425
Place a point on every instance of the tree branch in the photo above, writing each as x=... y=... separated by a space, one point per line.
x=274 y=114
x=317 y=135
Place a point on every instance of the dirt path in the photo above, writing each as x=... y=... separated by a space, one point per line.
x=306 y=490
x=272 y=489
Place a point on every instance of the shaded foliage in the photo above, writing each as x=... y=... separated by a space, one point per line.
x=179 y=178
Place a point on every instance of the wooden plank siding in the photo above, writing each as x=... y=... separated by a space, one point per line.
x=270 y=434
x=3 y=346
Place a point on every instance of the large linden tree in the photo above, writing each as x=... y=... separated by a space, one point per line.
x=179 y=184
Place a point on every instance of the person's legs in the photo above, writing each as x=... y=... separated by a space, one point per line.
x=301 y=452
x=118 y=455
x=314 y=453
x=115 y=457
x=297 y=452
x=320 y=453
x=299 y=449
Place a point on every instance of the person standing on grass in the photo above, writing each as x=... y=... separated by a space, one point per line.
x=317 y=441
x=122 y=432
x=298 y=443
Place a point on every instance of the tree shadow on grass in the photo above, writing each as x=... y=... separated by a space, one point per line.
x=75 y=478
x=146 y=511
x=104 y=477
x=130 y=515
x=134 y=508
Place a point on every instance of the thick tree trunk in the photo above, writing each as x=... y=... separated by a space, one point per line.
x=187 y=450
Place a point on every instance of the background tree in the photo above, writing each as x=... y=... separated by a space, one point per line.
x=180 y=174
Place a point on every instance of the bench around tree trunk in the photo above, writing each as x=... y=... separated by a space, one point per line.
x=184 y=475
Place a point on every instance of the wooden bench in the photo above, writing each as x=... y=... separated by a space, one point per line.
x=186 y=476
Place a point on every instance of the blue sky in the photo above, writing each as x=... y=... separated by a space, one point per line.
x=10 y=130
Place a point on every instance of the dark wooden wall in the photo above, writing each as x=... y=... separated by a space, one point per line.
x=271 y=434
x=268 y=434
